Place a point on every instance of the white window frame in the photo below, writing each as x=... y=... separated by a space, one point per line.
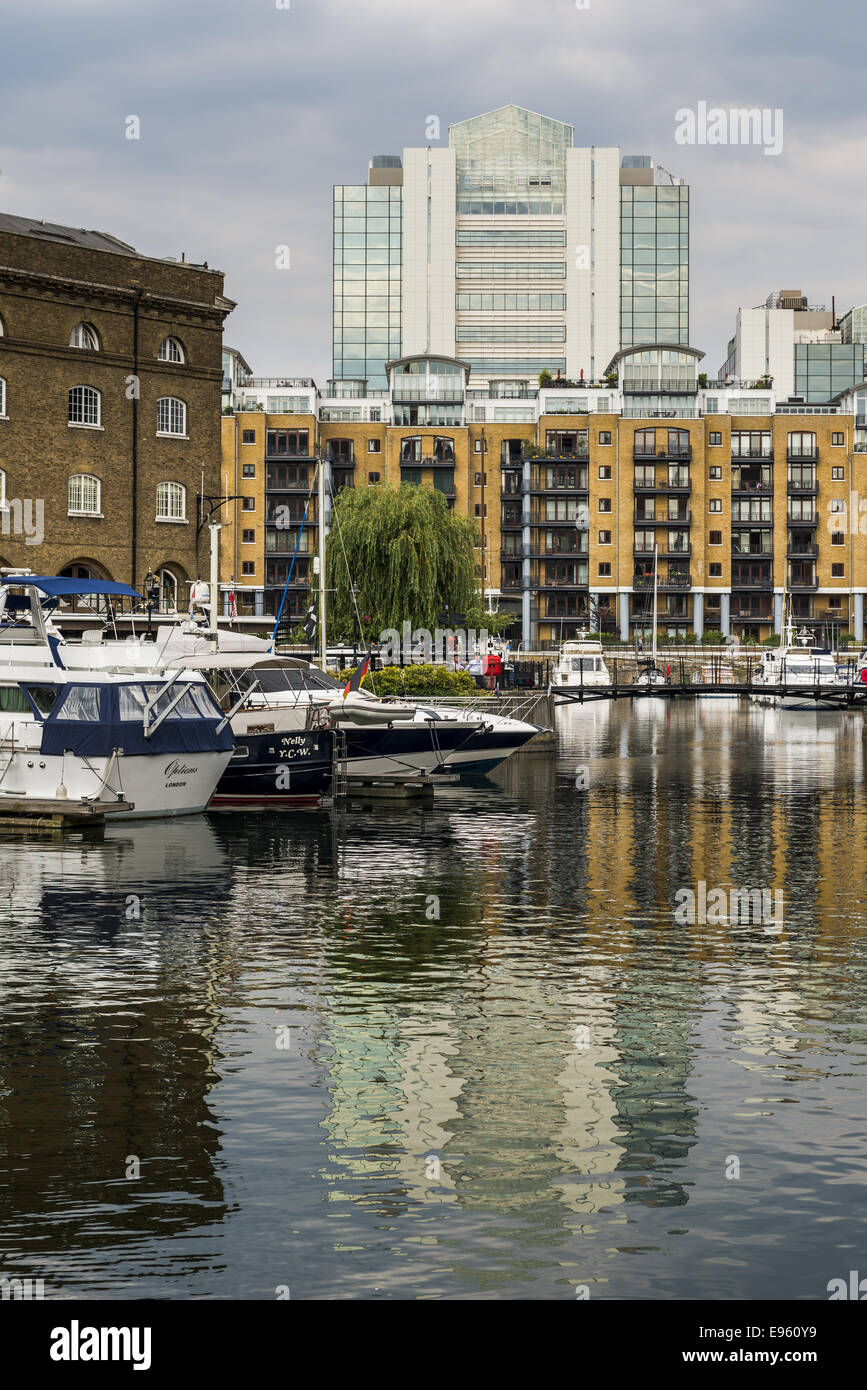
x=170 y=343
x=93 y=398
x=169 y=493
x=81 y=510
x=2 y=398
x=714 y=505
x=171 y=409
x=79 y=332
x=3 y=506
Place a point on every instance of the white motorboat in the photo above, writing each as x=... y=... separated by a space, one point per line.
x=811 y=670
x=580 y=663
x=155 y=744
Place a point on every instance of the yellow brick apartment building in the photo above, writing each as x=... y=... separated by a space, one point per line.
x=746 y=507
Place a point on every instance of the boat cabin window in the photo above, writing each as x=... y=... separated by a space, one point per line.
x=13 y=700
x=196 y=703
x=81 y=702
x=44 y=697
x=586 y=663
x=282 y=678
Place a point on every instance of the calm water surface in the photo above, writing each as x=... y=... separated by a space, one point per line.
x=322 y=1085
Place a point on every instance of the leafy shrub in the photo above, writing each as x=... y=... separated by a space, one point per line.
x=419 y=680
x=712 y=638
x=772 y=641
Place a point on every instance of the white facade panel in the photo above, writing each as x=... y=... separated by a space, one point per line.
x=592 y=260
x=428 y=251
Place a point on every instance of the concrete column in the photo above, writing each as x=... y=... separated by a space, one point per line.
x=623 y=600
x=725 y=614
x=698 y=614
x=778 y=614
x=858 y=620
x=594 y=603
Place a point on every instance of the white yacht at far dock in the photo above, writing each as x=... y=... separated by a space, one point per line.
x=580 y=663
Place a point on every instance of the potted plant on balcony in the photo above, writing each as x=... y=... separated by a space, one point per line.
x=545 y=378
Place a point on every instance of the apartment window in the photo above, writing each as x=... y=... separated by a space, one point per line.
x=604 y=569
x=715 y=504
x=605 y=504
x=248 y=436
x=838 y=538
x=248 y=470
x=84 y=495
x=477 y=446
x=478 y=509
x=838 y=504
x=604 y=436
x=802 y=444
x=715 y=571
x=171 y=350
x=84 y=406
x=374 y=446
x=838 y=473
x=751 y=444
x=248 y=567
x=715 y=437
x=604 y=537
x=714 y=538
x=171 y=502
x=835 y=601
x=715 y=473
x=2 y=396
x=171 y=416
x=837 y=437
x=248 y=504
x=287 y=442
x=248 y=537
x=477 y=479
x=2 y=490
x=838 y=571
x=605 y=470
x=373 y=477
x=84 y=336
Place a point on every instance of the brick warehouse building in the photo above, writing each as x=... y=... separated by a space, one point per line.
x=746 y=497
x=117 y=471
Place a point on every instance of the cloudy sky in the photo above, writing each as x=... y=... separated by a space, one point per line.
x=250 y=112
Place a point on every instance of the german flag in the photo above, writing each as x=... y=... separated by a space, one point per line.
x=354 y=682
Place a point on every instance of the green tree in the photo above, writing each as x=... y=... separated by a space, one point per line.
x=410 y=556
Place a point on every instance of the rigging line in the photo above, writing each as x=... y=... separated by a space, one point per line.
x=336 y=516
x=294 y=553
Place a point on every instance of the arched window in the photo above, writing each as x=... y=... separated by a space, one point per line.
x=85 y=495
x=2 y=329
x=2 y=396
x=171 y=350
x=84 y=335
x=84 y=406
x=171 y=502
x=168 y=591
x=171 y=416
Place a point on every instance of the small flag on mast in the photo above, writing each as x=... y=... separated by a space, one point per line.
x=354 y=682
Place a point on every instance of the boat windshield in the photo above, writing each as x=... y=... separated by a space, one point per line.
x=273 y=680
x=586 y=663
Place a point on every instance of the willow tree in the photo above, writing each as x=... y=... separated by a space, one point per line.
x=409 y=556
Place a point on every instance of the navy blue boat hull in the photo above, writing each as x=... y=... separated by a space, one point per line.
x=274 y=770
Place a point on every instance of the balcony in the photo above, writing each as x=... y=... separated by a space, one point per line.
x=681 y=488
x=802 y=550
x=765 y=583
x=804 y=586
x=660 y=519
x=796 y=488
x=806 y=456
x=742 y=488
x=766 y=455
x=666 y=583
x=642 y=455
x=556 y=455
x=748 y=616
x=807 y=522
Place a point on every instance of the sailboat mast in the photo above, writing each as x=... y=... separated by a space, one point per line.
x=320 y=507
x=655 y=576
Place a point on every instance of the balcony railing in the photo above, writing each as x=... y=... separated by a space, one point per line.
x=673 y=455
x=798 y=486
x=802 y=550
x=661 y=519
x=808 y=521
x=666 y=582
x=766 y=454
x=639 y=485
x=805 y=456
x=764 y=582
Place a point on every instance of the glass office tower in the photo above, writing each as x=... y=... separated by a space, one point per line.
x=367 y=280
x=654 y=262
